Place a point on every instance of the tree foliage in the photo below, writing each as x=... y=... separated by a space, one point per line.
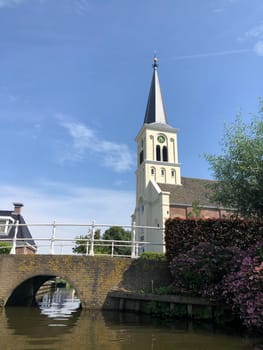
x=81 y=242
x=5 y=248
x=118 y=234
x=239 y=170
x=101 y=246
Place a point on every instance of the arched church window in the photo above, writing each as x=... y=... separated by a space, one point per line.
x=152 y=171
x=141 y=156
x=162 y=172
x=158 y=153
x=173 y=173
x=165 y=154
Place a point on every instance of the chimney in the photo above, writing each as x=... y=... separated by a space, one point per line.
x=17 y=208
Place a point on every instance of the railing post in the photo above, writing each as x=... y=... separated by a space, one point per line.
x=112 y=248
x=133 y=239
x=53 y=234
x=87 y=247
x=13 y=250
x=137 y=250
x=62 y=248
x=91 y=252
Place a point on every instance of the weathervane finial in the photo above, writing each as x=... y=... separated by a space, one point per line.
x=155 y=59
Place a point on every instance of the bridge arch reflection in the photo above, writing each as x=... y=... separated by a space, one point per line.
x=26 y=292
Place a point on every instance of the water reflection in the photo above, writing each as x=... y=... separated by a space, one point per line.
x=59 y=305
x=57 y=325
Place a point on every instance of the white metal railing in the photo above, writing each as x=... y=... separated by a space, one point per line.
x=59 y=240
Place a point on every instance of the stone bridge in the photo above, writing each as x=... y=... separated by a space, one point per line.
x=93 y=277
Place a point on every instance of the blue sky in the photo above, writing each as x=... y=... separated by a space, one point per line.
x=74 y=81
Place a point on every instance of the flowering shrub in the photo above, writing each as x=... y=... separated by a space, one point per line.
x=200 y=271
x=232 y=275
x=243 y=287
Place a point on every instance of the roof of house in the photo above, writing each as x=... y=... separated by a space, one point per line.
x=23 y=231
x=191 y=190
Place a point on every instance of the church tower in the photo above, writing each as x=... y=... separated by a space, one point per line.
x=157 y=163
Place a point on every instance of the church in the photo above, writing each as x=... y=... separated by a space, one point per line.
x=161 y=191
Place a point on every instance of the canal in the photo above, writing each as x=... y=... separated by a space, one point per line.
x=59 y=324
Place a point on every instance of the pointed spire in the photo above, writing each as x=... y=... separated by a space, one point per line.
x=155 y=111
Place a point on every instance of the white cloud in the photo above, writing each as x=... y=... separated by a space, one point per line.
x=213 y=54
x=68 y=204
x=255 y=35
x=224 y=6
x=255 y=32
x=258 y=48
x=218 y=10
x=85 y=142
x=5 y=3
x=11 y=3
x=82 y=7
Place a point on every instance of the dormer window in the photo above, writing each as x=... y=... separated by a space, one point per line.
x=5 y=221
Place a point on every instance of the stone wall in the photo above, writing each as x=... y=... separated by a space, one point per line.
x=92 y=277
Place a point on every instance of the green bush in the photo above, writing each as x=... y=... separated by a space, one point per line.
x=5 y=248
x=163 y=310
x=153 y=256
x=166 y=290
x=200 y=271
x=181 y=235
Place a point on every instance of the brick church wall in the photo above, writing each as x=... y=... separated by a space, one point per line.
x=183 y=212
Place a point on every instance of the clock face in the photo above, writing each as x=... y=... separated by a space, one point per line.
x=161 y=138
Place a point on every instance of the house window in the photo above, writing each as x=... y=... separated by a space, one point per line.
x=4 y=224
x=165 y=154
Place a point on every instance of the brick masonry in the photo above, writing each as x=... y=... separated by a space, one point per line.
x=92 y=277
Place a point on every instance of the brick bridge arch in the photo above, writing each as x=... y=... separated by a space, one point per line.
x=92 y=277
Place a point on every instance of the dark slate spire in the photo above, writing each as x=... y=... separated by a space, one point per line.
x=155 y=111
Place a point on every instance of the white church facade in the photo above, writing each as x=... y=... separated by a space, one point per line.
x=161 y=192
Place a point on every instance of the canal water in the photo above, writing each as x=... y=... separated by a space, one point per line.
x=59 y=324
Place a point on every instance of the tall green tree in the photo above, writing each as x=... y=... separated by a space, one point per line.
x=239 y=170
x=116 y=233
x=81 y=243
